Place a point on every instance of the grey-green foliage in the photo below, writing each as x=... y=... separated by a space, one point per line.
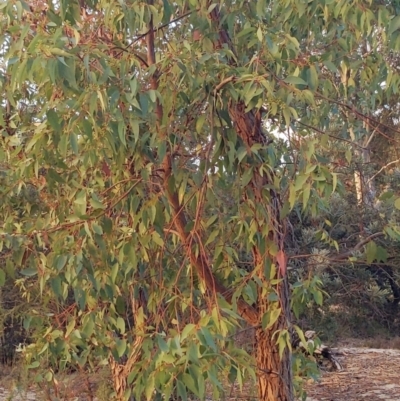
x=96 y=237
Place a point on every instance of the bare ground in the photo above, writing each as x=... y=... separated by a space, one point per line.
x=371 y=374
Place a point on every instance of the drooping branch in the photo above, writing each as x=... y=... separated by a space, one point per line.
x=199 y=262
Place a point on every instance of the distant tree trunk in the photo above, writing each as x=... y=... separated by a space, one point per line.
x=365 y=189
x=364 y=185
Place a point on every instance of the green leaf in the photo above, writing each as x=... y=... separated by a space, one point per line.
x=121 y=132
x=167 y=11
x=247 y=176
x=181 y=390
x=120 y=345
x=81 y=198
x=88 y=327
x=74 y=143
x=34 y=365
x=381 y=254
x=394 y=25
x=348 y=155
x=53 y=120
x=96 y=204
x=306 y=195
x=199 y=123
x=270 y=317
x=193 y=353
x=149 y=389
x=2 y=277
x=107 y=225
x=332 y=67
x=157 y=238
x=209 y=338
x=300 y=181
x=97 y=229
x=312 y=78
x=162 y=344
x=61 y=261
x=282 y=342
x=295 y=80
x=261 y=8
x=318 y=297
x=397 y=203
x=187 y=330
x=60 y=52
x=191 y=383
x=371 y=251
x=241 y=153
x=120 y=325
x=260 y=34
x=292 y=196
x=334 y=182
x=153 y=95
x=386 y=196
x=212 y=236
x=30 y=272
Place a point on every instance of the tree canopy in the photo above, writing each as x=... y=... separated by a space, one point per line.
x=151 y=156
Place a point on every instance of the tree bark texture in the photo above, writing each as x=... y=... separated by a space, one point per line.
x=274 y=372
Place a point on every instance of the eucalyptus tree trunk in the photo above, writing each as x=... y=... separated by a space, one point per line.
x=273 y=370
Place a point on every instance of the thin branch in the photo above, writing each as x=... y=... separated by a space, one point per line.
x=330 y=135
x=341 y=256
x=357 y=247
x=382 y=168
x=224 y=82
x=365 y=118
x=153 y=30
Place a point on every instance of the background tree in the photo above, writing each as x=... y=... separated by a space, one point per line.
x=141 y=173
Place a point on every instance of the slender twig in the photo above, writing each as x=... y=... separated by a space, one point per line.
x=381 y=169
x=364 y=117
x=224 y=82
x=154 y=29
x=344 y=255
x=330 y=135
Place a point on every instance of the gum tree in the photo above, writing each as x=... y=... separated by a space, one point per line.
x=145 y=193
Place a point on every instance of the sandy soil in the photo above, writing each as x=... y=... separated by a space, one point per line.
x=369 y=374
